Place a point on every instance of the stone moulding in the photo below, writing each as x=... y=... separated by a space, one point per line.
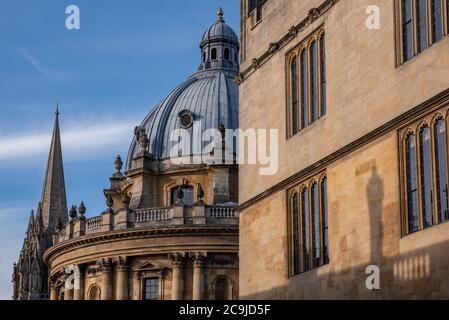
x=129 y=234
x=274 y=47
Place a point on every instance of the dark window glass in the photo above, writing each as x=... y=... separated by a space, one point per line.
x=294 y=82
x=437 y=20
x=314 y=81
x=204 y=56
x=305 y=230
x=441 y=170
x=256 y=5
x=407 y=29
x=412 y=191
x=325 y=221
x=151 y=289
x=316 y=231
x=421 y=13
x=426 y=176
x=323 y=75
x=296 y=253
x=188 y=195
x=226 y=54
x=214 y=54
x=304 y=90
x=221 y=289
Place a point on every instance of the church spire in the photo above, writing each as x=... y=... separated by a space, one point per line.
x=54 y=201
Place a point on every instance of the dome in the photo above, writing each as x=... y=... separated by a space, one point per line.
x=208 y=97
x=221 y=31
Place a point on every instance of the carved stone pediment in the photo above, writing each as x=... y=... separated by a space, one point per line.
x=148 y=265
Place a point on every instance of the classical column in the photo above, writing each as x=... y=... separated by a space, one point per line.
x=177 y=291
x=199 y=262
x=122 y=279
x=106 y=279
x=79 y=283
x=68 y=292
x=53 y=291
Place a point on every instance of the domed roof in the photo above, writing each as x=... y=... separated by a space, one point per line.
x=220 y=30
x=209 y=97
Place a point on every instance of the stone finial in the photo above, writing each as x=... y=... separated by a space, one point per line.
x=82 y=210
x=118 y=164
x=73 y=213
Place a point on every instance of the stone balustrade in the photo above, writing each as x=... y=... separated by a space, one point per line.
x=145 y=218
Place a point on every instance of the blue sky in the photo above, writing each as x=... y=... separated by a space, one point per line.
x=108 y=75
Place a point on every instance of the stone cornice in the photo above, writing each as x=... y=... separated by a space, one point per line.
x=274 y=47
x=433 y=103
x=137 y=233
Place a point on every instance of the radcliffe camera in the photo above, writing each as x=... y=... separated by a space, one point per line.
x=239 y=158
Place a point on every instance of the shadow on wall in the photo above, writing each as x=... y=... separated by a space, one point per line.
x=418 y=274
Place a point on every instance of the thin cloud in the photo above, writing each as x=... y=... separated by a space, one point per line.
x=87 y=142
x=38 y=66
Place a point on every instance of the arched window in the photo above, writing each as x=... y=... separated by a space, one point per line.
x=226 y=54
x=314 y=82
x=316 y=230
x=294 y=95
x=214 y=54
x=304 y=90
x=323 y=101
x=187 y=198
x=296 y=249
x=222 y=289
x=441 y=170
x=325 y=221
x=204 y=56
x=426 y=176
x=94 y=293
x=305 y=230
x=437 y=20
x=412 y=187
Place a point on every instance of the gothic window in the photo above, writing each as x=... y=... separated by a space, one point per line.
x=426 y=176
x=324 y=221
x=412 y=185
x=151 y=289
x=421 y=13
x=309 y=236
x=226 y=54
x=213 y=54
x=424 y=170
x=322 y=75
x=311 y=78
x=187 y=199
x=304 y=90
x=420 y=24
x=256 y=5
x=294 y=94
x=305 y=230
x=296 y=249
x=441 y=171
x=437 y=20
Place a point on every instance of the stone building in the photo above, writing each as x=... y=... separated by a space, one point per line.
x=362 y=113
x=169 y=230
